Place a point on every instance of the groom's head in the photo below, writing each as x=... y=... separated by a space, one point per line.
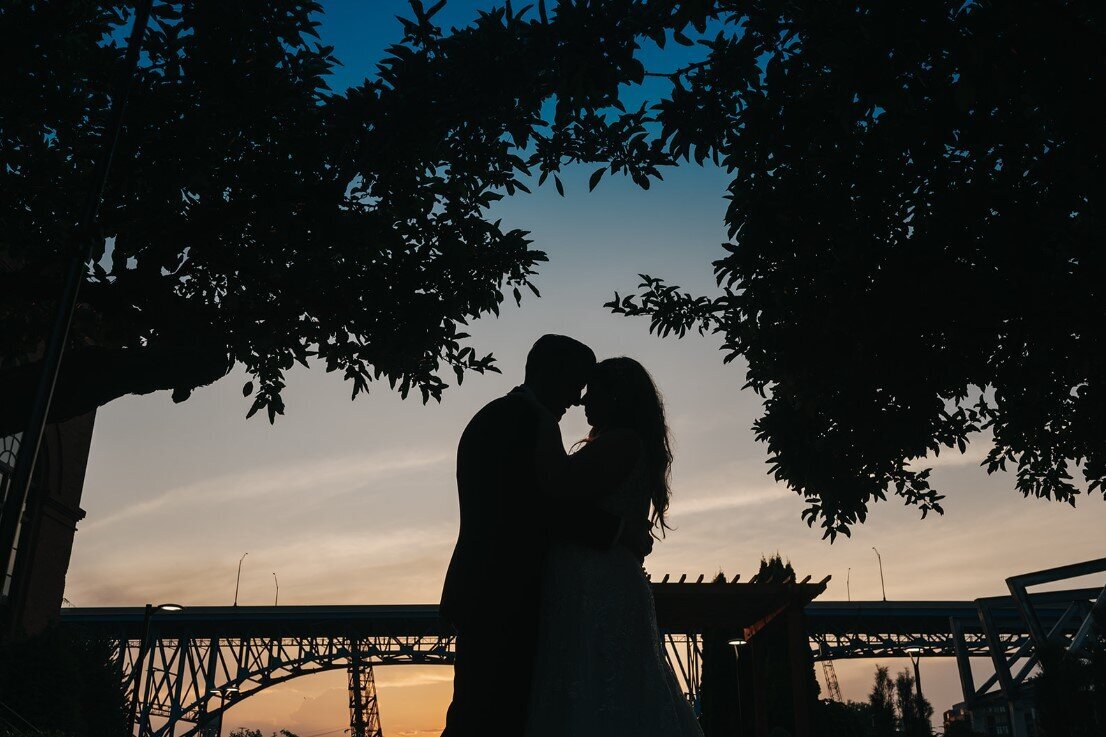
x=557 y=368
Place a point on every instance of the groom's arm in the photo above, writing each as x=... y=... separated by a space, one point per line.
x=598 y=528
x=591 y=526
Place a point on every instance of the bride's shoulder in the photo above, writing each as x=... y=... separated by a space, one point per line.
x=622 y=442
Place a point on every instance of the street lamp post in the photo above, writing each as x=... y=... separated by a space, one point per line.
x=881 y=584
x=239 y=579
x=738 y=643
x=224 y=694
x=915 y=654
x=140 y=660
x=276 y=596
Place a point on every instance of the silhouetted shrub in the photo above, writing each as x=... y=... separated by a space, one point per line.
x=63 y=681
x=1070 y=693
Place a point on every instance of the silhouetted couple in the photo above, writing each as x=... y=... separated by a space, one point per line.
x=557 y=633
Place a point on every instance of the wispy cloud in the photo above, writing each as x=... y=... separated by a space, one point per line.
x=735 y=500
x=413 y=677
x=727 y=486
x=360 y=566
x=323 y=477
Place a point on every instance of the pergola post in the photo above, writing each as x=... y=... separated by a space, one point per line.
x=760 y=696
x=801 y=669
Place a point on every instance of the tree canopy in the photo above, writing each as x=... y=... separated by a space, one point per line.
x=915 y=199
x=255 y=217
x=252 y=217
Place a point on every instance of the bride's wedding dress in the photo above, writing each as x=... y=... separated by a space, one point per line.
x=600 y=669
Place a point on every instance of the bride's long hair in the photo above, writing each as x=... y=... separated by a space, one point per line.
x=638 y=406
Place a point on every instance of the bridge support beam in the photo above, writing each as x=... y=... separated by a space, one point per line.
x=364 y=713
x=963 y=663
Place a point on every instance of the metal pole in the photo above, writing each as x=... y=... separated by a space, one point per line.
x=239 y=579
x=737 y=680
x=915 y=658
x=138 y=664
x=276 y=596
x=848 y=587
x=881 y=584
x=20 y=485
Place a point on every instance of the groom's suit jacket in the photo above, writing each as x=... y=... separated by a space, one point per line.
x=494 y=577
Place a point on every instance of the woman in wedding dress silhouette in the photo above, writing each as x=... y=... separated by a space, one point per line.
x=600 y=669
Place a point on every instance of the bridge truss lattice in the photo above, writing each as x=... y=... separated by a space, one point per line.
x=199 y=663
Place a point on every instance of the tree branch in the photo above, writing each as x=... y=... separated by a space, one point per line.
x=91 y=377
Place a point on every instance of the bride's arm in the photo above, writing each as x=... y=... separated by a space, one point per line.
x=596 y=469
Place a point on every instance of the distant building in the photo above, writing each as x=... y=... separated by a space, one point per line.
x=990 y=715
x=32 y=587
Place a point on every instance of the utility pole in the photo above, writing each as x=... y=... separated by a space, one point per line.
x=239 y=579
x=85 y=235
x=881 y=584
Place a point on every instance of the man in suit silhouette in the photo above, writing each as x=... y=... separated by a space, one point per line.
x=493 y=586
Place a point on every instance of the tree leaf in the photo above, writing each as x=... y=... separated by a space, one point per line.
x=594 y=180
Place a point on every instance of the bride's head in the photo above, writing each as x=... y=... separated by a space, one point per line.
x=621 y=394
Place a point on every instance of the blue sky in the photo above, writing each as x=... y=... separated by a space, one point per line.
x=353 y=502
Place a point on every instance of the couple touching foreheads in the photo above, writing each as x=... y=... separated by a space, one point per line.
x=556 y=629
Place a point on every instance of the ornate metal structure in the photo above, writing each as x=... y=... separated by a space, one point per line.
x=364 y=714
x=196 y=664
x=201 y=661
x=878 y=629
x=685 y=655
x=995 y=628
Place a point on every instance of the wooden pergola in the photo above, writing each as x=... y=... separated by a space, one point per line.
x=745 y=610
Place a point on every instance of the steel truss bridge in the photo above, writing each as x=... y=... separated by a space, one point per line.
x=199 y=662
x=881 y=629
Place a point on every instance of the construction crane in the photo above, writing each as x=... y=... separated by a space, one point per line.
x=831 y=680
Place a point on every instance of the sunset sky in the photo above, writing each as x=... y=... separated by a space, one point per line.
x=354 y=503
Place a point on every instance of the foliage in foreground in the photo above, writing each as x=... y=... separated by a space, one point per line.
x=246 y=732
x=1070 y=692
x=915 y=217
x=893 y=709
x=914 y=212
x=252 y=217
x=62 y=682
